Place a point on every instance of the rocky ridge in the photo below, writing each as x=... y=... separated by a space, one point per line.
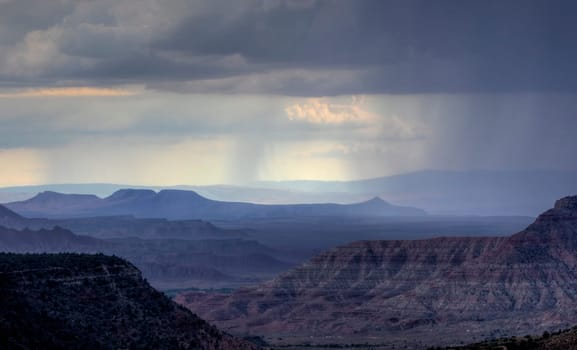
x=74 y=301
x=441 y=290
x=56 y=239
x=165 y=263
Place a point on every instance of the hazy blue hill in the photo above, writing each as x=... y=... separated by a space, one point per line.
x=27 y=192
x=165 y=262
x=6 y=213
x=180 y=204
x=475 y=192
x=234 y=193
x=123 y=226
x=53 y=204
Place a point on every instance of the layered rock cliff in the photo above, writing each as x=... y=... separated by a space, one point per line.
x=73 y=301
x=441 y=290
x=56 y=239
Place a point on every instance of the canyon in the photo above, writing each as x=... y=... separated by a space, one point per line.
x=437 y=291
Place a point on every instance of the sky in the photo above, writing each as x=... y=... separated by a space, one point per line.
x=167 y=92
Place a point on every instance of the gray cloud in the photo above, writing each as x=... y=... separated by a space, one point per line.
x=292 y=47
x=17 y=17
x=240 y=138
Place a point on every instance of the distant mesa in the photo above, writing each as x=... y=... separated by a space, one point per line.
x=475 y=192
x=59 y=198
x=50 y=204
x=376 y=200
x=182 y=195
x=421 y=289
x=180 y=204
x=131 y=194
x=376 y=206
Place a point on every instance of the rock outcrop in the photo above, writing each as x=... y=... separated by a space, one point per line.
x=73 y=301
x=440 y=291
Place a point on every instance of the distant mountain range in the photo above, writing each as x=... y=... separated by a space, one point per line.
x=181 y=204
x=71 y=301
x=233 y=193
x=525 y=193
x=7 y=214
x=220 y=259
x=441 y=291
x=476 y=192
x=124 y=227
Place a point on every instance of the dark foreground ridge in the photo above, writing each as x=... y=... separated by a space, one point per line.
x=439 y=291
x=80 y=301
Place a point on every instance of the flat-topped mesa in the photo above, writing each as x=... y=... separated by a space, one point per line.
x=131 y=194
x=187 y=205
x=51 y=203
x=553 y=230
x=184 y=194
x=564 y=209
x=48 y=196
x=568 y=203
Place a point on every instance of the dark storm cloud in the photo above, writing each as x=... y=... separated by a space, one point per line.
x=294 y=47
x=18 y=17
